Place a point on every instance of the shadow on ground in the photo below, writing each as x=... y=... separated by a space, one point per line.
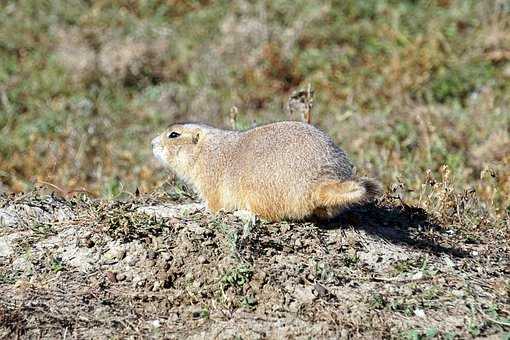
x=399 y=224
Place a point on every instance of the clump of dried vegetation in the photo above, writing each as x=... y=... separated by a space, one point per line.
x=417 y=92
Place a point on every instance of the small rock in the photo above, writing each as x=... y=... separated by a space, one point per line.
x=172 y=211
x=154 y=323
x=449 y=262
x=8 y=218
x=417 y=276
x=202 y=259
x=128 y=276
x=304 y=294
x=285 y=228
x=506 y=70
x=119 y=253
x=151 y=254
x=294 y=306
x=457 y=293
x=419 y=313
x=178 y=262
x=166 y=256
x=131 y=260
x=157 y=285
x=148 y=263
x=320 y=289
x=5 y=247
x=245 y=216
x=139 y=281
x=22 y=265
x=115 y=253
x=111 y=276
x=120 y=276
x=196 y=229
x=89 y=243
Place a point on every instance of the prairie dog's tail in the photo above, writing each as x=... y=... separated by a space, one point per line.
x=335 y=193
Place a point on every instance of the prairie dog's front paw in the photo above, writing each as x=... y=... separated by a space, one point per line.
x=246 y=216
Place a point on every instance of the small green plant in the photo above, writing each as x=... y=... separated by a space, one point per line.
x=461 y=80
x=230 y=233
x=42 y=229
x=201 y=314
x=377 y=301
x=350 y=260
x=237 y=277
x=113 y=188
x=432 y=332
x=249 y=302
x=431 y=293
x=474 y=329
x=413 y=334
x=401 y=305
x=55 y=263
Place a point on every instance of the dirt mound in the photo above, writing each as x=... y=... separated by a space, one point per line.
x=151 y=266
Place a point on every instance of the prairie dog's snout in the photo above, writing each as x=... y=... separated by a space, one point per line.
x=157 y=149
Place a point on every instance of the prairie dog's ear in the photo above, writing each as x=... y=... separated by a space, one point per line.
x=196 y=137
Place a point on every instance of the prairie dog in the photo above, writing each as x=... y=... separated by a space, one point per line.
x=285 y=170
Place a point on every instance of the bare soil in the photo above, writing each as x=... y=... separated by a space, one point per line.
x=154 y=266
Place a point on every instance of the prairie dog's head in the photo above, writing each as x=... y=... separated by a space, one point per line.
x=178 y=147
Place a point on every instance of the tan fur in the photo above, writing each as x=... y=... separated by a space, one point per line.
x=284 y=170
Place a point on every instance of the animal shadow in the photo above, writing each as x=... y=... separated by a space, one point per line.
x=399 y=224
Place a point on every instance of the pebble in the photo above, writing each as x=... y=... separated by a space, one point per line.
x=120 y=253
x=154 y=323
x=149 y=263
x=157 y=285
x=166 y=256
x=152 y=255
x=138 y=281
x=419 y=313
x=115 y=253
x=202 y=259
x=131 y=260
x=111 y=276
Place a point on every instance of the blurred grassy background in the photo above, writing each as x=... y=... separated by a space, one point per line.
x=403 y=86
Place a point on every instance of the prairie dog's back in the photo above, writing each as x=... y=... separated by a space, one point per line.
x=290 y=150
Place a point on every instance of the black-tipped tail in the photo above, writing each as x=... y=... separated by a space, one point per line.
x=373 y=188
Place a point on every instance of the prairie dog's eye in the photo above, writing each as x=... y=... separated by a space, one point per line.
x=173 y=134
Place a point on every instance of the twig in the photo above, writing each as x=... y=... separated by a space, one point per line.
x=234 y=112
x=309 y=104
x=300 y=103
x=502 y=323
x=63 y=191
